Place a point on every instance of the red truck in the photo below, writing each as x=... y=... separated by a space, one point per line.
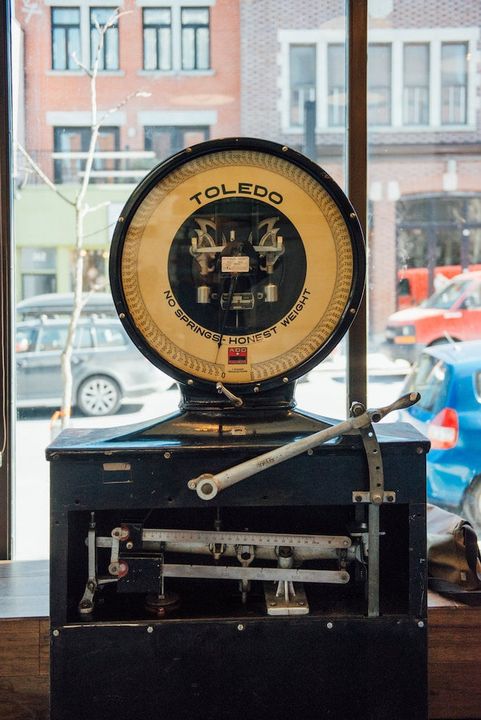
x=413 y=283
x=451 y=313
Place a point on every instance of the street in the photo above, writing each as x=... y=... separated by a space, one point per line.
x=321 y=394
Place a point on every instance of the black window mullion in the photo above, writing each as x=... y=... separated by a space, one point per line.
x=357 y=183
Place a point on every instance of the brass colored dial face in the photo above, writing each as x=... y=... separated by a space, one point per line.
x=235 y=263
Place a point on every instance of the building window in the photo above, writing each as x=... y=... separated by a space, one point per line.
x=71 y=146
x=157 y=31
x=336 y=85
x=38 y=271
x=109 y=52
x=302 y=81
x=415 y=79
x=65 y=38
x=166 y=141
x=195 y=39
x=454 y=81
x=379 y=85
x=438 y=231
x=416 y=84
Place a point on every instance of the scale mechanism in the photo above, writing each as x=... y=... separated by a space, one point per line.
x=240 y=553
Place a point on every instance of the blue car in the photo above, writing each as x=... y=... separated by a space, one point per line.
x=448 y=376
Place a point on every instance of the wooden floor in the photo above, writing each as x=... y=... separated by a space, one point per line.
x=454 y=650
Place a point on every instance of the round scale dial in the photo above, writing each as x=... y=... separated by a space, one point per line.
x=237 y=261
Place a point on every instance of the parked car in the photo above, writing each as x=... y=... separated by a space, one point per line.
x=60 y=305
x=454 y=312
x=106 y=366
x=449 y=414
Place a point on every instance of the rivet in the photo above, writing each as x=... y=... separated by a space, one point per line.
x=241 y=627
x=167 y=455
x=285 y=380
x=285 y=148
x=56 y=633
x=330 y=625
x=358 y=498
x=150 y=629
x=256 y=389
x=129 y=545
x=419 y=450
x=420 y=624
x=122 y=316
x=352 y=310
x=310 y=451
x=121 y=219
x=188 y=149
x=352 y=215
x=190 y=382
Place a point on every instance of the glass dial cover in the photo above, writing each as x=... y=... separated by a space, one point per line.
x=237 y=261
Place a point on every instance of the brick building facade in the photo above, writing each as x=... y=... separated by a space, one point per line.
x=424 y=116
x=262 y=68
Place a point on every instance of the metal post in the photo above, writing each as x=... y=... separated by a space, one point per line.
x=357 y=182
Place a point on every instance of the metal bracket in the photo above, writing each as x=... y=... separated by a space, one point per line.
x=277 y=604
x=375 y=497
x=363 y=496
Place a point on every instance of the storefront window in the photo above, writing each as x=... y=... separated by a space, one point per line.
x=171 y=76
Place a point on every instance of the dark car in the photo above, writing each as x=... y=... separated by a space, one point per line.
x=449 y=414
x=106 y=366
x=60 y=305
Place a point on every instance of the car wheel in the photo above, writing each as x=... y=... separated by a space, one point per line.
x=472 y=504
x=99 y=395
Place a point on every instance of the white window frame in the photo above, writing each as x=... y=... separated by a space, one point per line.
x=397 y=38
x=175 y=7
x=85 y=7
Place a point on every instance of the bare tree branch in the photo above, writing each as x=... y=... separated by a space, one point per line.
x=94 y=208
x=121 y=103
x=81 y=65
x=43 y=176
x=82 y=209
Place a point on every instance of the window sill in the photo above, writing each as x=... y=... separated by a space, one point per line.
x=175 y=73
x=82 y=73
x=389 y=129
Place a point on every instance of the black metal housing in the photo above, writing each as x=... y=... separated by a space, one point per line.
x=213 y=657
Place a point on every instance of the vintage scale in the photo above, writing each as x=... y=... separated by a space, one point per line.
x=239 y=558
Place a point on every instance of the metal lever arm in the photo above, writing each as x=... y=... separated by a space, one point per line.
x=208 y=485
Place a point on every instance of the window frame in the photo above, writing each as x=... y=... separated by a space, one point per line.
x=157 y=27
x=70 y=63
x=357 y=175
x=176 y=7
x=398 y=38
x=7 y=344
x=84 y=132
x=174 y=132
x=111 y=32
x=196 y=27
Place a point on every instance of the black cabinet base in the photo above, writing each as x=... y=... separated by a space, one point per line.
x=308 y=668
